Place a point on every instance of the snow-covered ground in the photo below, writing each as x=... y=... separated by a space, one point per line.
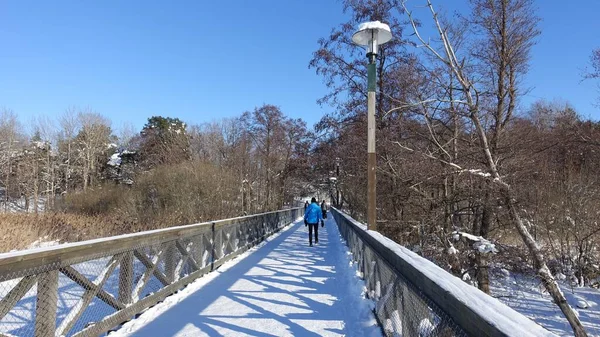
x=18 y=205
x=282 y=288
x=525 y=294
x=43 y=242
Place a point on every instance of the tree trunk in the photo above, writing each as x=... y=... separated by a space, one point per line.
x=476 y=221
x=486 y=216
x=36 y=193
x=68 y=170
x=483 y=280
x=538 y=259
x=8 y=172
x=542 y=269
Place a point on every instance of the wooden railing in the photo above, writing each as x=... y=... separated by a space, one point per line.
x=90 y=287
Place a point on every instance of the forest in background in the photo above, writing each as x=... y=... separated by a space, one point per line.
x=74 y=178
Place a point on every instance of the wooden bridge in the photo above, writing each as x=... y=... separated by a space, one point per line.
x=92 y=287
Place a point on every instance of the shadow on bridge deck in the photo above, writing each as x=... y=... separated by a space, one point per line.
x=283 y=288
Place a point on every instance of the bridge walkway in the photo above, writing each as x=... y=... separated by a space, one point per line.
x=281 y=288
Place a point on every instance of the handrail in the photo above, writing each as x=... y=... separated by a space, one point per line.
x=446 y=304
x=64 y=254
x=123 y=275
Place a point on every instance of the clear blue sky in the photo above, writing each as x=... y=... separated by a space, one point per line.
x=203 y=60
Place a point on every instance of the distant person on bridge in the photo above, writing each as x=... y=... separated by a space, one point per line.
x=305 y=205
x=312 y=215
x=324 y=209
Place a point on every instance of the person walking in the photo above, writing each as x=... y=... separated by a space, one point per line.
x=305 y=205
x=312 y=216
x=324 y=209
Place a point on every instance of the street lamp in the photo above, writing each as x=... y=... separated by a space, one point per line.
x=371 y=34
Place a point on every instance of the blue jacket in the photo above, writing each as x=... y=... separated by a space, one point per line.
x=313 y=213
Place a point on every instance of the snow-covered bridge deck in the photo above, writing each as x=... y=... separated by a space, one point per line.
x=283 y=288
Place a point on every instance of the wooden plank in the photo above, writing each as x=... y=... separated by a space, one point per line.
x=46 y=304
x=208 y=248
x=143 y=281
x=218 y=244
x=227 y=238
x=186 y=258
x=15 y=294
x=126 y=278
x=202 y=253
x=170 y=261
x=213 y=244
x=83 y=303
x=83 y=281
x=146 y=262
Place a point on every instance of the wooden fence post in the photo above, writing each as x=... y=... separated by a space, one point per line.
x=212 y=247
x=170 y=261
x=47 y=304
x=126 y=278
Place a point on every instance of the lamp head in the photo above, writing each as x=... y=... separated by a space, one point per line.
x=371 y=35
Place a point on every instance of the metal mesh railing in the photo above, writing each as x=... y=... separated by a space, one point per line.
x=413 y=297
x=400 y=307
x=89 y=288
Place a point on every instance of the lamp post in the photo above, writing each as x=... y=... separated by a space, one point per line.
x=371 y=34
x=337 y=181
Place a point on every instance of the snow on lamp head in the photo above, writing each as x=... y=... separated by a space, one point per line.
x=371 y=34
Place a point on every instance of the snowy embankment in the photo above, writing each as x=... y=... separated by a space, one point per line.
x=281 y=288
x=526 y=295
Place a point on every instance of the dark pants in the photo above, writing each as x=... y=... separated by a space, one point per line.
x=310 y=230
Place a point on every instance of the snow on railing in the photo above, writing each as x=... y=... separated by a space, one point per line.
x=415 y=297
x=88 y=288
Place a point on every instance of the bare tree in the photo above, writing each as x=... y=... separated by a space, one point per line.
x=471 y=99
x=91 y=141
x=125 y=134
x=595 y=63
x=46 y=130
x=265 y=126
x=69 y=127
x=10 y=140
x=594 y=73
x=277 y=142
x=507 y=31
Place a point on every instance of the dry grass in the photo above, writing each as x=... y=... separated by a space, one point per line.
x=167 y=196
x=19 y=230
